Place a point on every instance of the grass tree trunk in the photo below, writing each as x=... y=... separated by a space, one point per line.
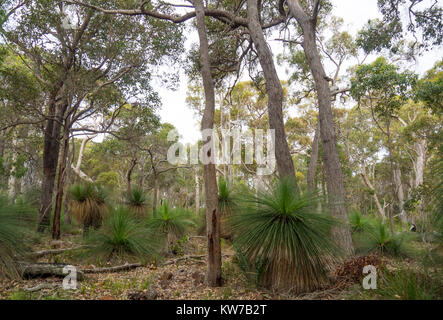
x=213 y=273
x=274 y=90
x=334 y=176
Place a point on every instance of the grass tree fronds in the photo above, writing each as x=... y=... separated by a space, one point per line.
x=123 y=236
x=283 y=231
x=227 y=204
x=405 y=284
x=170 y=223
x=88 y=204
x=360 y=223
x=137 y=203
x=380 y=240
x=13 y=235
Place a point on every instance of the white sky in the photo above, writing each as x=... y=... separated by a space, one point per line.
x=355 y=14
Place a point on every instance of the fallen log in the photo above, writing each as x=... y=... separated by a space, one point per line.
x=38 y=270
x=113 y=269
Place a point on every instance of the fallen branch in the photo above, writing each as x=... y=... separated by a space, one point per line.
x=190 y=257
x=42 y=286
x=197 y=237
x=183 y=258
x=113 y=269
x=37 y=270
x=39 y=254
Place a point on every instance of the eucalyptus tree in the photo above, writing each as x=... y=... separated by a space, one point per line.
x=383 y=89
x=75 y=61
x=336 y=49
x=307 y=15
x=21 y=101
x=400 y=19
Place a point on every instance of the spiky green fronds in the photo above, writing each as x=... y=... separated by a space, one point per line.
x=170 y=222
x=227 y=204
x=283 y=231
x=359 y=223
x=379 y=239
x=88 y=203
x=122 y=236
x=137 y=203
x=13 y=234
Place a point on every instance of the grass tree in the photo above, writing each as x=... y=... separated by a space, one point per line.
x=123 y=237
x=88 y=205
x=379 y=239
x=226 y=205
x=359 y=223
x=12 y=237
x=170 y=223
x=283 y=231
x=137 y=203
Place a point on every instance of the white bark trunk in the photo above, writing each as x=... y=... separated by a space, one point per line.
x=400 y=195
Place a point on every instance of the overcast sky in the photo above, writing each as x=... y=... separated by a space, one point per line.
x=355 y=14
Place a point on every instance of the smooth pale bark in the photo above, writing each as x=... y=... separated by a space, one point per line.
x=66 y=212
x=313 y=161
x=420 y=148
x=419 y=164
x=274 y=91
x=12 y=180
x=380 y=210
x=78 y=165
x=392 y=168
x=334 y=176
x=197 y=192
x=400 y=195
x=213 y=272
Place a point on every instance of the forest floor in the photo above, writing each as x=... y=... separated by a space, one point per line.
x=179 y=276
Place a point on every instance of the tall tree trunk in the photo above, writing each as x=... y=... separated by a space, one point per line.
x=420 y=149
x=213 y=272
x=313 y=161
x=12 y=180
x=334 y=176
x=197 y=192
x=60 y=183
x=419 y=164
x=50 y=160
x=66 y=212
x=274 y=90
x=78 y=165
x=155 y=197
x=392 y=169
x=400 y=195
x=129 y=175
x=380 y=209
